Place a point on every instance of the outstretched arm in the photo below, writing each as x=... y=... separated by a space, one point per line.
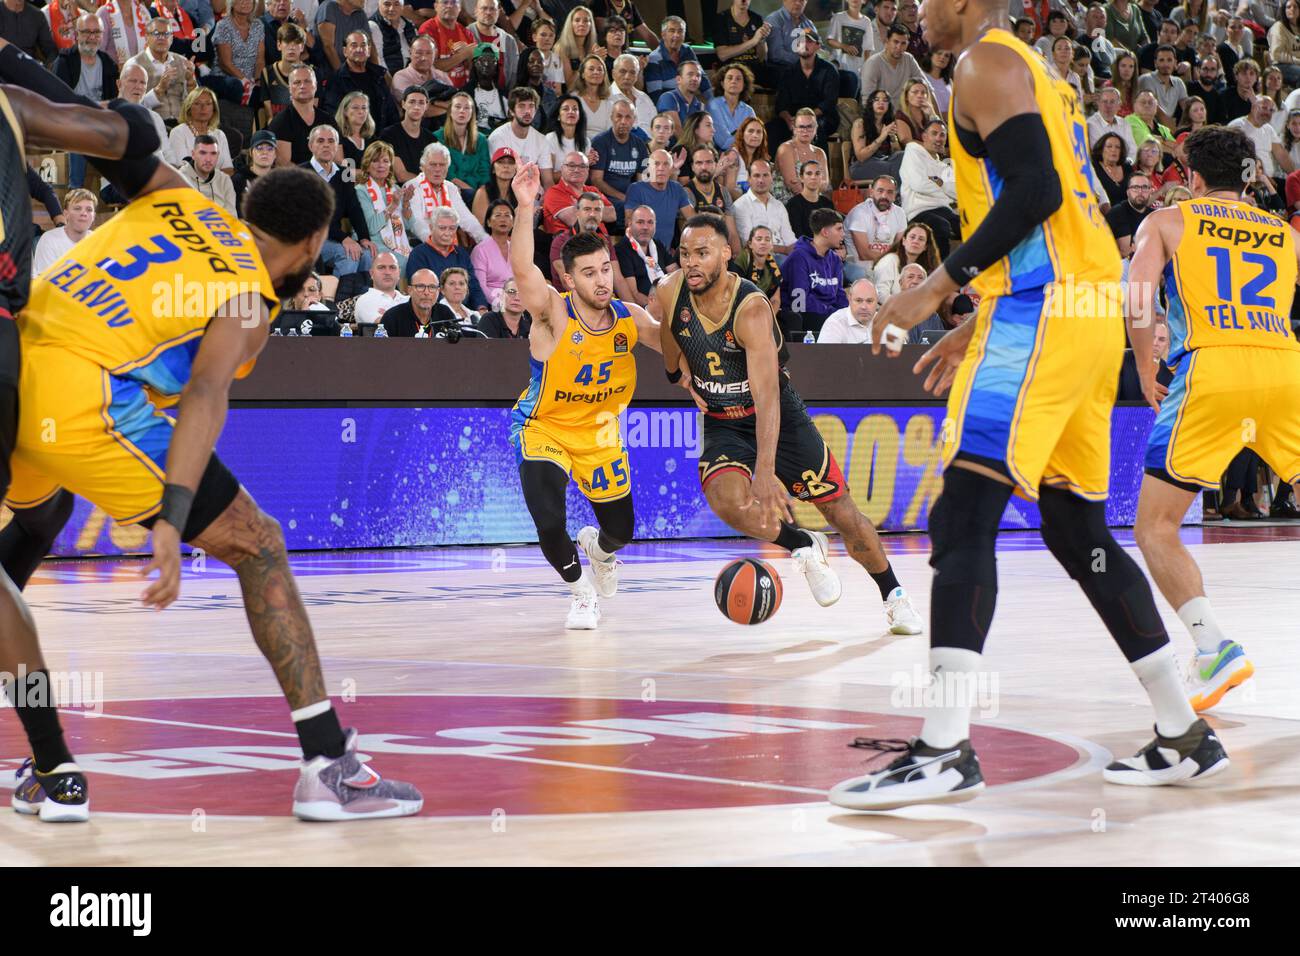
x=533 y=289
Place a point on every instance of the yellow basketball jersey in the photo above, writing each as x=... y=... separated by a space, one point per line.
x=1231 y=279
x=136 y=295
x=588 y=378
x=1074 y=241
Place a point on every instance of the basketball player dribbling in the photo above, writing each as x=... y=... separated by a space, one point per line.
x=760 y=446
x=99 y=350
x=1034 y=377
x=565 y=422
x=50 y=783
x=1230 y=272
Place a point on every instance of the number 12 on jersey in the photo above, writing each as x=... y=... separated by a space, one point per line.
x=1250 y=292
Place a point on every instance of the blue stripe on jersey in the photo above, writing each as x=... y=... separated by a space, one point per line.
x=1162 y=430
x=1176 y=316
x=136 y=424
x=527 y=404
x=169 y=371
x=995 y=389
x=1029 y=263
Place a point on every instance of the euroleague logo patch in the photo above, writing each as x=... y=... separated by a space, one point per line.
x=471 y=755
x=620 y=342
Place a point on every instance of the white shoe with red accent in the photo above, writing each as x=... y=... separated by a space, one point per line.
x=344 y=788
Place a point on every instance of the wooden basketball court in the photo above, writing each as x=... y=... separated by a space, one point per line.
x=669 y=736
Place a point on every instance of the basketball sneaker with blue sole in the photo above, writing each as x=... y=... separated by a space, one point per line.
x=1167 y=761
x=343 y=788
x=1213 y=675
x=60 y=796
x=921 y=774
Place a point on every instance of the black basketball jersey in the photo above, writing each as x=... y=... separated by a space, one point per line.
x=15 y=214
x=719 y=370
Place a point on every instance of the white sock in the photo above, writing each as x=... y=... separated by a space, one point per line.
x=1159 y=675
x=1198 y=617
x=583 y=585
x=310 y=711
x=950 y=698
x=597 y=553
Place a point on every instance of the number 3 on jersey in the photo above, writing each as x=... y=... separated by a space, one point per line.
x=584 y=376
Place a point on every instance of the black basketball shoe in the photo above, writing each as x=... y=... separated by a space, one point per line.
x=921 y=774
x=60 y=796
x=1171 y=760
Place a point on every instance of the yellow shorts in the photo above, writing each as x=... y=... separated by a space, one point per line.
x=1221 y=400
x=601 y=472
x=1034 y=395
x=93 y=433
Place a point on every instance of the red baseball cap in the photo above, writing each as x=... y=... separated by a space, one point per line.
x=504 y=151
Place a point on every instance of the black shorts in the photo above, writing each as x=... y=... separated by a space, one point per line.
x=8 y=432
x=804 y=463
x=217 y=489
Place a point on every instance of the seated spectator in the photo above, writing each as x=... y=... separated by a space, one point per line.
x=750 y=147
x=810 y=198
x=917 y=245
x=430 y=191
x=356 y=129
x=731 y=107
x=1208 y=86
x=791 y=156
x=413 y=318
x=276 y=95
x=685 y=100
x=257 y=160
x=757 y=264
x=1146 y=53
x=441 y=251
x=520 y=136
x=453 y=41
x=199 y=169
x=851 y=325
x=359 y=75
x=1239 y=99
x=929 y=186
x=491 y=256
x=917 y=110
x=810 y=85
x=342 y=253
x=620 y=157
x=420 y=71
x=60 y=16
x=200 y=116
x=892 y=67
x=696 y=131
x=741 y=37
x=293 y=125
x=391 y=36
x=334 y=22
x=132 y=85
x=663 y=135
x=1284 y=42
x=532 y=76
x=544 y=35
x=909 y=20
x=577 y=40
x=89 y=71
x=309 y=297
x=79 y=215
x=1148 y=162
x=852 y=35
x=589 y=208
x=667 y=197
x=1024 y=28
x=170 y=76
x=500 y=186
x=567 y=134
x=467 y=145
x=1111 y=164
x=1168 y=89
x=1274 y=160
x=1107 y=120
x=486 y=29
x=1125 y=218
x=812 y=277
x=409 y=137
x=387 y=207
x=509 y=320
x=591 y=87
x=705 y=190
x=1146 y=125
x=26 y=28
x=642 y=259
x=938 y=67
x=238 y=40
x=462 y=296
x=661 y=68
x=626 y=71
x=560 y=203
x=757 y=208
x=369 y=307
x=1058 y=25
x=787 y=24
x=490 y=106
x=279 y=14
x=877 y=225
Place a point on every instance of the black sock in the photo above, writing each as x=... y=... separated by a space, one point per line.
x=321 y=734
x=885 y=580
x=607 y=544
x=37 y=711
x=791 y=537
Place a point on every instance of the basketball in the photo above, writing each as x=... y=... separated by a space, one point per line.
x=748 y=591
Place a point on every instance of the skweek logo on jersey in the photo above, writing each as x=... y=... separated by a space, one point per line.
x=620 y=342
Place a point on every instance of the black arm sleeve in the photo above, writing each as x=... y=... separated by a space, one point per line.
x=1031 y=191
x=18 y=68
x=41 y=191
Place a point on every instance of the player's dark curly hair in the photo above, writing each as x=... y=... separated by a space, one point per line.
x=583 y=244
x=290 y=204
x=707 y=220
x=1224 y=157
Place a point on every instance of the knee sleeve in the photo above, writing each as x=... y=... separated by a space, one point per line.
x=1075 y=532
x=963 y=530
x=27 y=539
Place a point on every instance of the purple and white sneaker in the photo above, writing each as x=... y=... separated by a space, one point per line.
x=344 y=788
x=60 y=796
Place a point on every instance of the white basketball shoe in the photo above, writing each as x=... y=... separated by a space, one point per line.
x=604 y=572
x=584 y=611
x=813 y=564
